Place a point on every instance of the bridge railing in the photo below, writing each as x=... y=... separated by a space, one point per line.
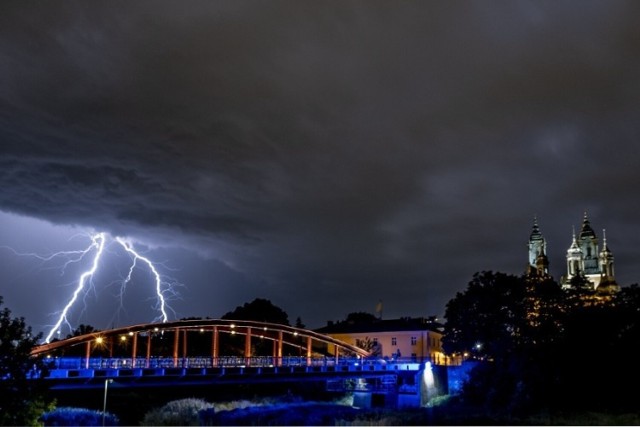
x=189 y=362
x=77 y=363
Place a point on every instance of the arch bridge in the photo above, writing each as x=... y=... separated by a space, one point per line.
x=187 y=343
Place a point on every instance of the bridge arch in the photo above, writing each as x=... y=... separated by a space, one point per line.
x=140 y=338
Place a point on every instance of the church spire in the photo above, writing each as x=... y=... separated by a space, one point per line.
x=606 y=264
x=535 y=230
x=604 y=241
x=538 y=262
x=586 y=231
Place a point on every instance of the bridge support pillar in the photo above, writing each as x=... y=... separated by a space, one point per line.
x=214 y=347
x=308 y=351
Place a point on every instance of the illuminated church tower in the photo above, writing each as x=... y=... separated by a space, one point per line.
x=587 y=266
x=538 y=261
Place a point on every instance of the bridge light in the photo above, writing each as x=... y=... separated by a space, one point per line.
x=201 y=329
x=99 y=340
x=123 y=338
x=265 y=328
x=233 y=332
x=130 y=334
x=232 y=326
x=155 y=329
x=295 y=334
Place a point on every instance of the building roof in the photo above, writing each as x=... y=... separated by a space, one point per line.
x=535 y=231
x=380 y=325
x=586 y=231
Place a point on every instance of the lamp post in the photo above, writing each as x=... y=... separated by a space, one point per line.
x=104 y=403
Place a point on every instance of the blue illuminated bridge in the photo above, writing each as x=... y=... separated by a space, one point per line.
x=188 y=352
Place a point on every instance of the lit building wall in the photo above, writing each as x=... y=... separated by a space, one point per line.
x=420 y=345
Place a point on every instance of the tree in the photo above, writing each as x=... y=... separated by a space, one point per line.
x=361 y=317
x=547 y=349
x=488 y=317
x=82 y=329
x=261 y=310
x=515 y=323
x=373 y=347
x=23 y=399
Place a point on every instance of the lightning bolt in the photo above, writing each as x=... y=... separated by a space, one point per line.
x=163 y=288
x=98 y=241
x=80 y=254
x=136 y=256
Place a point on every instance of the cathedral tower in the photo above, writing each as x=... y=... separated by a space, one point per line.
x=586 y=264
x=588 y=243
x=538 y=261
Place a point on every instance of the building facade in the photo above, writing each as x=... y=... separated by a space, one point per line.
x=407 y=339
x=587 y=265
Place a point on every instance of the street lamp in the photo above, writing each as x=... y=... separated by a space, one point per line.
x=104 y=404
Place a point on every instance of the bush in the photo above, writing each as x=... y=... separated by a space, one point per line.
x=288 y=414
x=68 y=416
x=183 y=412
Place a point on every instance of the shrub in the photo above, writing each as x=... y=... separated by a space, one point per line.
x=288 y=414
x=183 y=412
x=68 y=416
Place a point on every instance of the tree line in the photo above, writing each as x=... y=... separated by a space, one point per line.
x=542 y=348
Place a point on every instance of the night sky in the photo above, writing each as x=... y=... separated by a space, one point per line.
x=322 y=155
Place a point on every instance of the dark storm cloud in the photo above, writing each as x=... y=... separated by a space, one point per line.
x=392 y=148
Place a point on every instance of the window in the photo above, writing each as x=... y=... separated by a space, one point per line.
x=414 y=340
x=394 y=341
